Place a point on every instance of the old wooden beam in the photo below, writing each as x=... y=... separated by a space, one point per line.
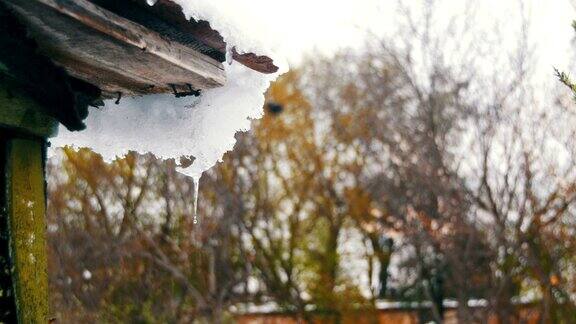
x=201 y=30
x=111 y=52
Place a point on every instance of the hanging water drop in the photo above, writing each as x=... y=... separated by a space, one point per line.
x=229 y=54
x=196 y=179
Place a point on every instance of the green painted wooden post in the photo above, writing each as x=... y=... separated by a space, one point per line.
x=23 y=132
x=27 y=226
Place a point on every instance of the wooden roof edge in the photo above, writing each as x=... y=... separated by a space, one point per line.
x=69 y=54
x=48 y=87
x=201 y=30
x=132 y=33
x=119 y=56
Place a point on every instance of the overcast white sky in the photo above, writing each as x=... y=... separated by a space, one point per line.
x=305 y=26
x=301 y=26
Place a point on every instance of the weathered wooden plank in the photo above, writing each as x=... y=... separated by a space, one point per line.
x=134 y=34
x=112 y=52
x=26 y=206
x=201 y=30
x=170 y=30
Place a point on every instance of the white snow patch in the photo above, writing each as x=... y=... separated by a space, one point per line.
x=203 y=128
x=238 y=22
x=86 y=274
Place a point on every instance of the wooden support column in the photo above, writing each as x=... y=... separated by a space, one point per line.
x=23 y=250
x=25 y=211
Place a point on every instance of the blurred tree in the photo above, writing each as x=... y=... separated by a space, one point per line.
x=426 y=117
x=122 y=239
x=287 y=187
x=273 y=216
x=448 y=180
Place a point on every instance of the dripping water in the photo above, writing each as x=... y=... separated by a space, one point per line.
x=196 y=179
x=229 y=54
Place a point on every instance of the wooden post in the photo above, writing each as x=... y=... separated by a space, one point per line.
x=23 y=255
x=26 y=206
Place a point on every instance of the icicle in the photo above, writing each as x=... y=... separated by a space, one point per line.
x=151 y=2
x=229 y=54
x=196 y=179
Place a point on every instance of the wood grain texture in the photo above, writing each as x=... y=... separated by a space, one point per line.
x=201 y=30
x=111 y=52
x=27 y=71
x=27 y=229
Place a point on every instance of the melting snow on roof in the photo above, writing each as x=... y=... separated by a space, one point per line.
x=201 y=127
